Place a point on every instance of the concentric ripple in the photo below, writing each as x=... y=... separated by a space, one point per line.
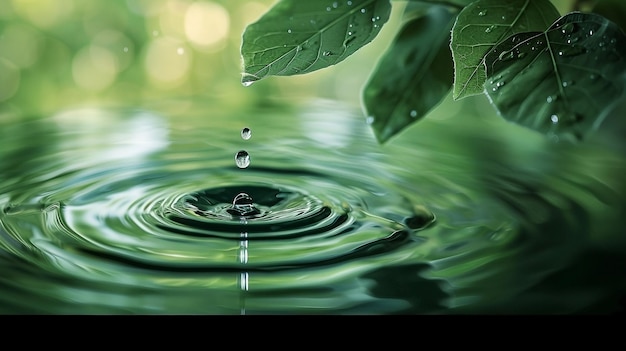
x=166 y=223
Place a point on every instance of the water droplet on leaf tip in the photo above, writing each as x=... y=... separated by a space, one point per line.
x=247 y=83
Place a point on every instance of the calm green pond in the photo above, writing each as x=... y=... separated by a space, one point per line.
x=144 y=210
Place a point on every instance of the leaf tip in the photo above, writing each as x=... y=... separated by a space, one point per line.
x=247 y=79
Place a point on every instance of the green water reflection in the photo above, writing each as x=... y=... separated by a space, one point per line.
x=523 y=224
x=112 y=112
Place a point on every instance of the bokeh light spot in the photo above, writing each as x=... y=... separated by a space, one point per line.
x=206 y=24
x=163 y=63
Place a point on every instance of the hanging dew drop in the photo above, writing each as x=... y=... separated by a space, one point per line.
x=242 y=159
x=246 y=133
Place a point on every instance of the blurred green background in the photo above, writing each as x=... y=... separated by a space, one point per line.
x=57 y=54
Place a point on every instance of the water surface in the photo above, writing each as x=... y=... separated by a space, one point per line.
x=130 y=211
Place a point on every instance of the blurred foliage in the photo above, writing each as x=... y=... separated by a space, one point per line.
x=56 y=54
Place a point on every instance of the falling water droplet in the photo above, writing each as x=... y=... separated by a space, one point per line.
x=554 y=119
x=246 y=133
x=242 y=159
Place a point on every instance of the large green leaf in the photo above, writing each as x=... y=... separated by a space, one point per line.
x=413 y=76
x=563 y=80
x=297 y=36
x=485 y=23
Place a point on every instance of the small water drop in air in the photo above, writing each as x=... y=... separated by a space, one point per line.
x=554 y=119
x=242 y=159
x=246 y=133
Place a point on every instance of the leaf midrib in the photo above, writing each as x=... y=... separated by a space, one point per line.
x=319 y=32
x=482 y=60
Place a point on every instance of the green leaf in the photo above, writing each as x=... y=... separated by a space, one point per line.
x=482 y=25
x=560 y=81
x=297 y=36
x=413 y=76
